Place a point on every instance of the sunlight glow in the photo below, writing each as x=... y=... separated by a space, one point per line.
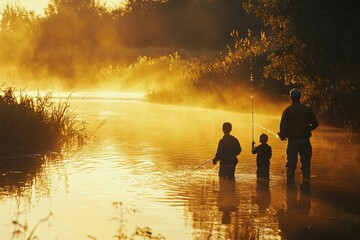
x=39 y=6
x=98 y=95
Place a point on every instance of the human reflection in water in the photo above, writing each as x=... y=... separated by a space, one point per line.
x=263 y=196
x=295 y=221
x=227 y=200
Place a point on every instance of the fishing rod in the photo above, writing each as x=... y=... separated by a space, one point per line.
x=201 y=165
x=253 y=120
x=252 y=100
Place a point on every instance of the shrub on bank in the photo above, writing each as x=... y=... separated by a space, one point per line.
x=37 y=124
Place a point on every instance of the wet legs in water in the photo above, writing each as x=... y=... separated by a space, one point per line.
x=263 y=172
x=227 y=172
x=302 y=147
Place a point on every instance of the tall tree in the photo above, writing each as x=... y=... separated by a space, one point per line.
x=313 y=45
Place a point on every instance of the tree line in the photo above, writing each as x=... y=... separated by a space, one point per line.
x=77 y=33
x=291 y=43
x=314 y=46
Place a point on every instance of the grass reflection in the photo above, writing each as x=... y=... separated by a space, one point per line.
x=17 y=174
x=25 y=179
x=145 y=233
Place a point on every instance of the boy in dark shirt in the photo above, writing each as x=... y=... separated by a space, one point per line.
x=263 y=152
x=228 y=148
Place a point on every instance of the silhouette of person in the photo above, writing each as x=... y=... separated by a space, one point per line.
x=297 y=122
x=227 y=201
x=263 y=156
x=263 y=196
x=294 y=222
x=227 y=151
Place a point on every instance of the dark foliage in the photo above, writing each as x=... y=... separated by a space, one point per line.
x=36 y=124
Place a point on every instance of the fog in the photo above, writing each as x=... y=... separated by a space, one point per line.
x=87 y=46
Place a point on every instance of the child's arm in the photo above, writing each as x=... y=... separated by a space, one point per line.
x=254 y=149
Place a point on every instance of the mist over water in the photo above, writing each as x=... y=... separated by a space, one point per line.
x=149 y=163
x=146 y=157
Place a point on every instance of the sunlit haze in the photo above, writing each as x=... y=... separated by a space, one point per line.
x=112 y=119
x=38 y=6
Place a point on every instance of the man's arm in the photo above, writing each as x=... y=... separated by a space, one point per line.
x=218 y=153
x=283 y=127
x=314 y=123
x=237 y=147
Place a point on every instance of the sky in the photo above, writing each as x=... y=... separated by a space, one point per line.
x=38 y=5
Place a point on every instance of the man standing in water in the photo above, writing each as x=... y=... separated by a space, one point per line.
x=228 y=148
x=297 y=122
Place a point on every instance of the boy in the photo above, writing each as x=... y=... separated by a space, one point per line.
x=228 y=148
x=263 y=152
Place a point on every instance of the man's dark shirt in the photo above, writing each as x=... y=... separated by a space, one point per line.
x=228 y=148
x=297 y=121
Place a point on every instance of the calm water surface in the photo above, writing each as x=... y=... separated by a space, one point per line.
x=140 y=172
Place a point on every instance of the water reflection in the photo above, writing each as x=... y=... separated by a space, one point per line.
x=294 y=220
x=18 y=173
x=148 y=162
x=227 y=200
x=263 y=195
x=24 y=182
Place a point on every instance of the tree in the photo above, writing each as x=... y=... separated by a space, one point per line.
x=16 y=22
x=72 y=36
x=313 y=45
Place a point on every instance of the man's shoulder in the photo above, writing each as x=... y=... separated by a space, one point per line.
x=298 y=106
x=305 y=105
x=288 y=108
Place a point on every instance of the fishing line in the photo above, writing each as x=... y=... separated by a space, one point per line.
x=282 y=147
x=198 y=167
x=203 y=164
x=282 y=157
x=266 y=129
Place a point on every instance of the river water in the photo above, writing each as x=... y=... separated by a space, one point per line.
x=142 y=170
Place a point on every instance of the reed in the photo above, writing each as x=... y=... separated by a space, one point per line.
x=37 y=124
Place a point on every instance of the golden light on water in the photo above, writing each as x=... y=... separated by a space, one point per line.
x=146 y=155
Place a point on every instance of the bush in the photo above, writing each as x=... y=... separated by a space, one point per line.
x=37 y=124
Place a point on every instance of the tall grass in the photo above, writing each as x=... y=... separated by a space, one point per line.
x=37 y=124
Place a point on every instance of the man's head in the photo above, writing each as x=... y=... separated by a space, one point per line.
x=227 y=127
x=295 y=95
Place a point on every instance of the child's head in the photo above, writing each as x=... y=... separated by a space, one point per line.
x=264 y=138
x=227 y=127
